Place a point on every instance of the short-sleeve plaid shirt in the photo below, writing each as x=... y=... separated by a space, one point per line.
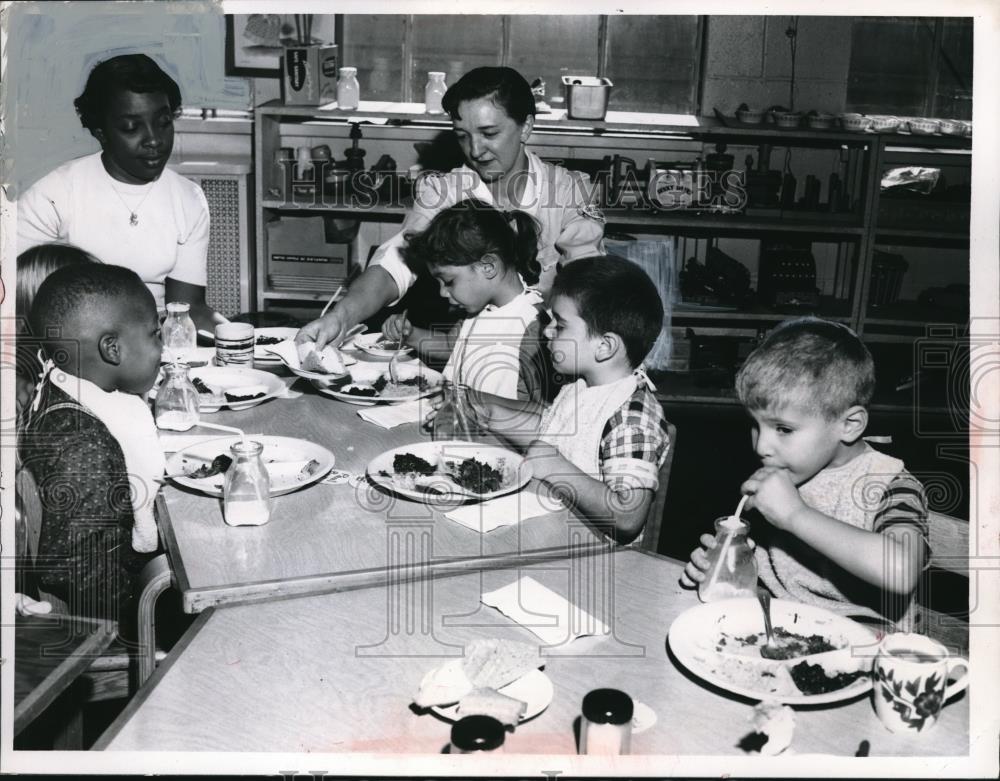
x=637 y=432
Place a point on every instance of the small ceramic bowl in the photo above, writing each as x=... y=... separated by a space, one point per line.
x=820 y=121
x=787 y=118
x=882 y=123
x=750 y=116
x=924 y=127
x=857 y=123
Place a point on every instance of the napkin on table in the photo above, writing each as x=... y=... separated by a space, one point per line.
x=393 y=415
x=503 y=511
x=543 y=611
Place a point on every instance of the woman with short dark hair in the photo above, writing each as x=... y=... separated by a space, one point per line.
x=122 y=204
x=493 y=113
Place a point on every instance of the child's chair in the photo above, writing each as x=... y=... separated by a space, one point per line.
x=649 y=538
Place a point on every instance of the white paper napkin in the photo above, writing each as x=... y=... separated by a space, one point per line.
x=503 y=511
x=394 y=415
x=543 y=611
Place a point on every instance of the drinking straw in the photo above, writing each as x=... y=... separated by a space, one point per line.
x=725 y=544
x=298 y=29
x=309 y=28
x=230 y=429
x=332 y=299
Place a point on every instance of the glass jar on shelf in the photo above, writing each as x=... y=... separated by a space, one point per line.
x=348 y=89
x=246 y=492
x=433 y=92
x=732 y=570
x=176 y=405
x=178 y=332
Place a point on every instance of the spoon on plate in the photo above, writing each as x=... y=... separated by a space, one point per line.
x=772 y=649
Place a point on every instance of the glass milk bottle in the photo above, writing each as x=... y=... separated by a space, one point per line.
x=348 y=89
x=176 y=405
x=732 y=570
x=476 y=735
x=246 y=493
x=454 y=419
x=179 y=333
x=433 y=92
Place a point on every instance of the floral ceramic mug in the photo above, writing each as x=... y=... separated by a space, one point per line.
x=911 y=674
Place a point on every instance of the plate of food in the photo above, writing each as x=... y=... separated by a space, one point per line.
x=306 y=361
x=830 y=656
x=450 y=470
x=235 y=387
x=377 y=345
x=267 y=337
x=496 y=677
x=291 y=463
x=365 y=387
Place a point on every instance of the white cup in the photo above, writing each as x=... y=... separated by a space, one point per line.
x=910 y=685
x=234 y=344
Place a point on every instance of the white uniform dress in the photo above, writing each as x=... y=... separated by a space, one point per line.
x=561 y=200
x=80 y=203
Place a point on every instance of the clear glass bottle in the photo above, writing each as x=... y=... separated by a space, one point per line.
x=732 y=570
x=246 y=493
x=176 y=405
x=606 y=726
x=455 y=418
x=477 y=734
x=178 y=332
x=348 y=89
x=433 y=92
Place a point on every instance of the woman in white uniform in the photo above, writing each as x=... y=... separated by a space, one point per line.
x=493 y=113
x=121 y=204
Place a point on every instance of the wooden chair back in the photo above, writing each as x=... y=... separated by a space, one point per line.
x=949 y=541
x=650 y=539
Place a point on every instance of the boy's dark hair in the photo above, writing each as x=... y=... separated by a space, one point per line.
x=614 y=295
x=72 y=292
x=127 y=72
x=462 y=234
x=816 y=364
x=506 y=86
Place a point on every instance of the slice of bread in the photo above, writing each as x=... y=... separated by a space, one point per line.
x=489 y=702
x=493 y=663
x=325 y=361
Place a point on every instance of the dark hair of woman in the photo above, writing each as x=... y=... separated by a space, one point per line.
x=505 y=86
x=127 y=72
x=465 y=233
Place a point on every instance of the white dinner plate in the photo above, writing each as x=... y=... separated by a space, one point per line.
x=534 y=689
x=278 y=451
x=260 y=353
x=403 y=393
x=223 y=378
x=371 y=344
x=695 y=636
x=436 y=488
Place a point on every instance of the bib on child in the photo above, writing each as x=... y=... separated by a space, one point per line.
x=575 y=422
x=128 y=419
x=852 y=493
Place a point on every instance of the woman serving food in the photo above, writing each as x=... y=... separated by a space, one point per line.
x=121 y=204
x=493 y=113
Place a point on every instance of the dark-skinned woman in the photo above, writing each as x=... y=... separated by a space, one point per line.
x=122 y=205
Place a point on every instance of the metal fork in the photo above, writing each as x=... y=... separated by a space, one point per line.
x=394 y=361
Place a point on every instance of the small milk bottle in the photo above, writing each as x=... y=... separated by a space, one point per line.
x=433 y=92
x=455 y=418
x=732 y=570
x=246 y=493
x=606 y=726
x=348 y=89
x=179 y=333
x=476 y=734
x=176 y=405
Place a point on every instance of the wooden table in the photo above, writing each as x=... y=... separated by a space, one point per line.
x=50 y=652
x=337 y=673
x=332 y=537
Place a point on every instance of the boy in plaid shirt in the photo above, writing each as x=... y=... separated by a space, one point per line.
x=601 y=443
